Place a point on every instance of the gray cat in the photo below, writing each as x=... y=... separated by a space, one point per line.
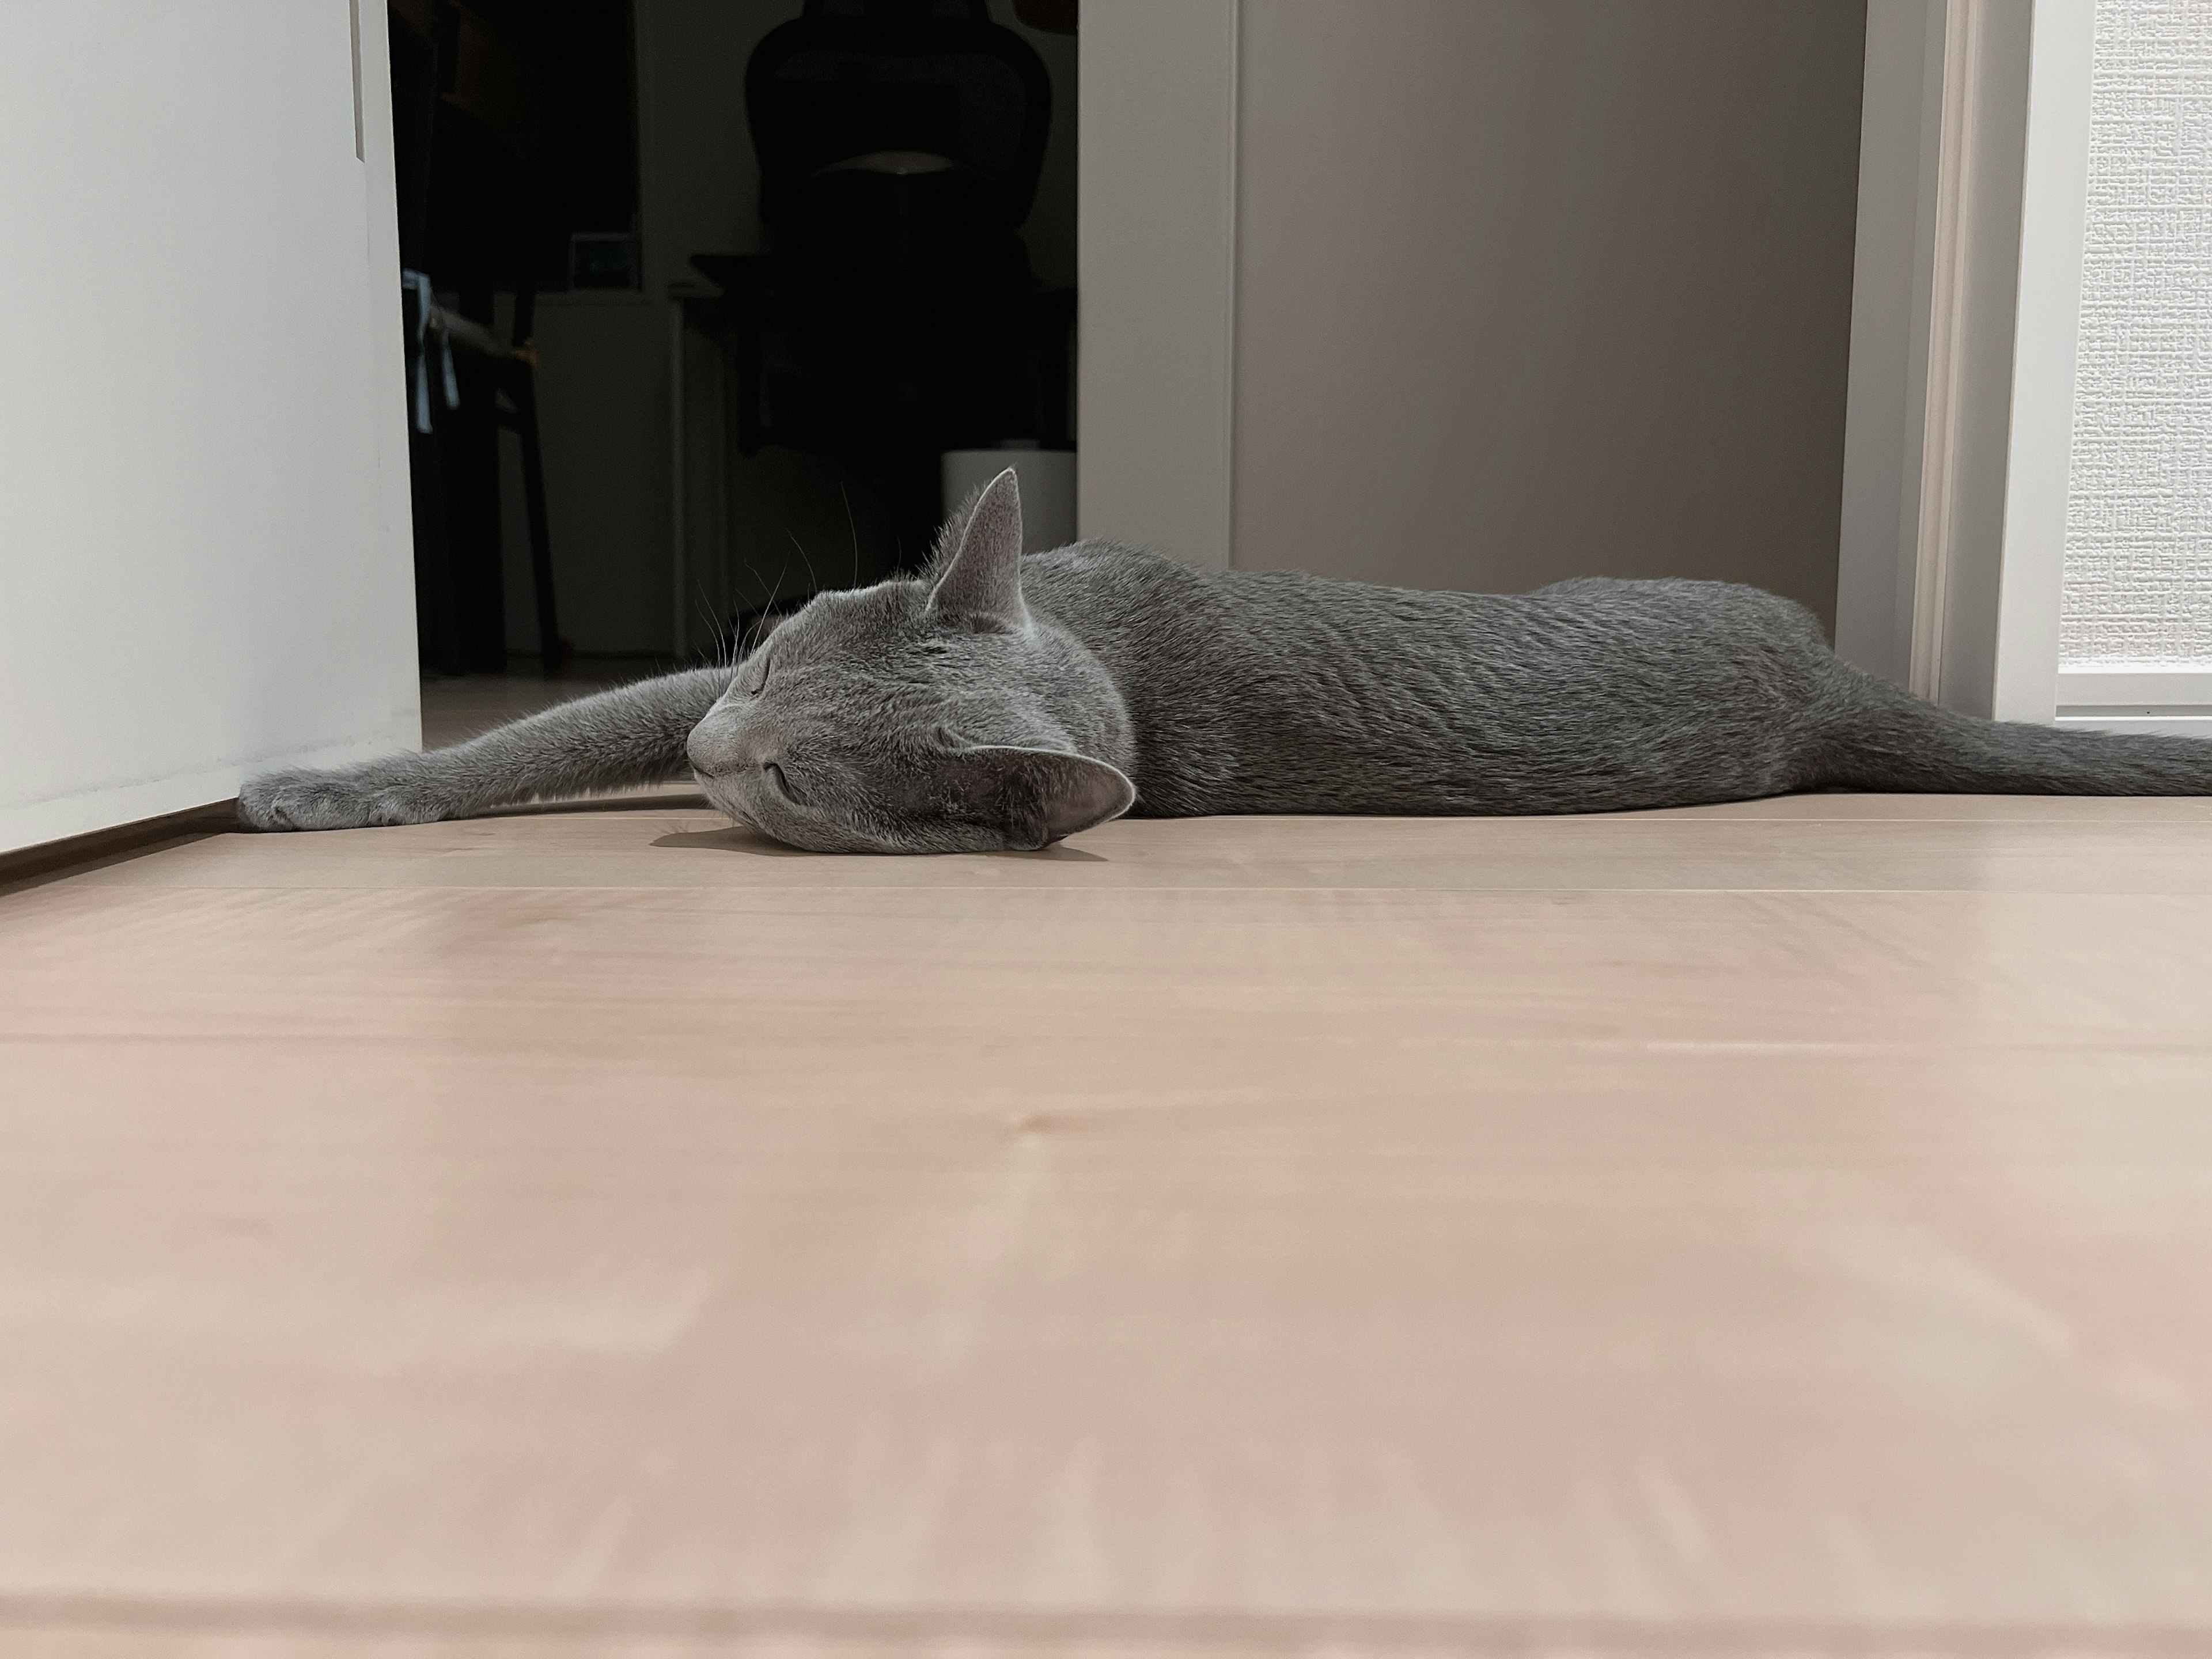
x=1000 y=702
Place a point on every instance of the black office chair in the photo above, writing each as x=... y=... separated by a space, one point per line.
x=892 y=314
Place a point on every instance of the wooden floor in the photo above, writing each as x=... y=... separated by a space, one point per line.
x=1777 y=1230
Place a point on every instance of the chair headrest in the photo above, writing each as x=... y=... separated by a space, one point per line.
x=863 y=77
x=903 y=11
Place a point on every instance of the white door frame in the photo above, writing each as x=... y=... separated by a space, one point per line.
x=1156 y=250
x=1965 y=311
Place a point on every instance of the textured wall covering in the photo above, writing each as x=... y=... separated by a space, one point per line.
x=2139 y=526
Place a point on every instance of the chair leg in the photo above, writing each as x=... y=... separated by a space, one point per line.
x=551 y=651
x=468 y=448
x=437 y=623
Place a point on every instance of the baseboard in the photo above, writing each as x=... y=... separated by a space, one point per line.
x=2157 y=725
x=65 y=816
x=77 y=852
x=2165 y=701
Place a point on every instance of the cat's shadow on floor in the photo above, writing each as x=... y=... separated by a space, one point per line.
x=733 y=839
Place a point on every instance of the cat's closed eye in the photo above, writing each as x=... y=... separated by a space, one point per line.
x=782 y=784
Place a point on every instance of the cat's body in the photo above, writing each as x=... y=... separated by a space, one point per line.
x=1005 y=702
x=1289 y=693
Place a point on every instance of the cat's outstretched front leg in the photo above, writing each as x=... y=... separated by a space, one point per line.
x=396 y=789
x=617 y=739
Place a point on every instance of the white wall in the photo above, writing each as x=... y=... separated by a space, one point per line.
x=2138 y=585
x=1473 y=294
x=1529 y=289
x=204 y=551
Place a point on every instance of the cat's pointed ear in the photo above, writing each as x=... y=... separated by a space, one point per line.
x=983 y=582
x=1036 y=796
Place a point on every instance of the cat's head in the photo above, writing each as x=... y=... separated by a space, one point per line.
x=931 y=716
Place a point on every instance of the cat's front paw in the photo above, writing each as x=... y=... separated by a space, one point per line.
x=348 y=797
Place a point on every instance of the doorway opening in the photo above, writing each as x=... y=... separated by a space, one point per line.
x=711 y=302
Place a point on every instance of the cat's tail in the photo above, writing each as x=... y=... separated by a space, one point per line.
x=1887 y=740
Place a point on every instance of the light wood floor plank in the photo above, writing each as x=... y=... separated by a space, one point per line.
x=674 y=841
x=1747 y=1231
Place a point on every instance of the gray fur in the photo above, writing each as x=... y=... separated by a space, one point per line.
x=1000 y=701
x=615 y=740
